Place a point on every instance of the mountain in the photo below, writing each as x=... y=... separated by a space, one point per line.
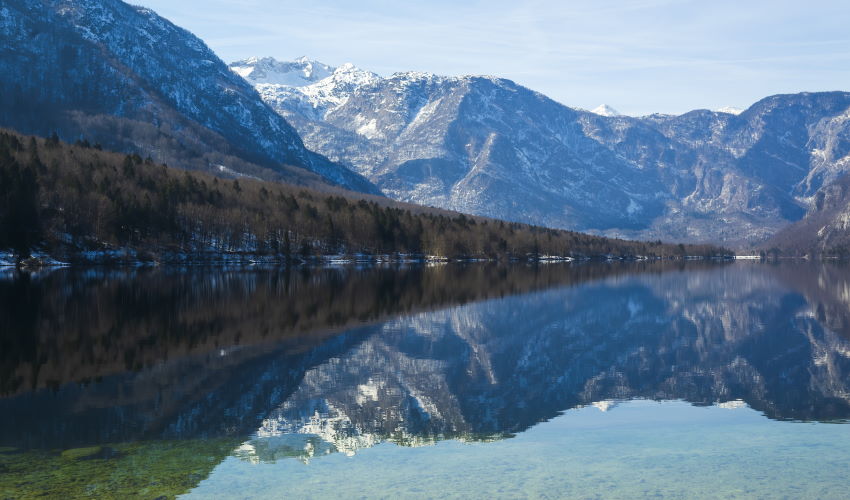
x=298 y=73
x=826 y=227
x=730 y=109
x=488 y=146
x=605 y=110
x=124 y=77
x=735 y=177
x=309 y=88
x=459 y=143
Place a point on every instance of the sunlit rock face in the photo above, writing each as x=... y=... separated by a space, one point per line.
x=826 y=227
x=491 y=147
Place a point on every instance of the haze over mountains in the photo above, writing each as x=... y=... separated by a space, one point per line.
x=490 y=147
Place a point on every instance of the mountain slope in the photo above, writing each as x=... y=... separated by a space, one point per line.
x=605 y=110
x=488 y=146
x=267 y=70
x=826 y=227
x=304 y=87
x=127 y=78
x=459 y=143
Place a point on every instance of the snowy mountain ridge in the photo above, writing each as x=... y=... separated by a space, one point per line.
x=730 y=109
x=268 y=70
x=301 y=86
x=490 y=147
x=605 y=110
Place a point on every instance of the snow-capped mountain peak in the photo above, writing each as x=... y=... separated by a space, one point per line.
x=348 y=74
x=730 y=110
x=268 y=70
x=605 y=110
x=311 y=87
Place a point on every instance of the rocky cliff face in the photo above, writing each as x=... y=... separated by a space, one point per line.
x=132 y=81
x=824 y=229
x=490 y=147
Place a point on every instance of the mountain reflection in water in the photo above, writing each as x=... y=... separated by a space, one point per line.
x=315 y=362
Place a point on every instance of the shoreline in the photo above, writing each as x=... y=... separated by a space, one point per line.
x=131 y=258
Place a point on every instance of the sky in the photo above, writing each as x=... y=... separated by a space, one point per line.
x=638 y=56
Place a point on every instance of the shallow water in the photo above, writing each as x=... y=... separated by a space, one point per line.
x=640 y=449
x=557 y=381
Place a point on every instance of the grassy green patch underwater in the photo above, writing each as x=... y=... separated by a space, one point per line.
x=152 y=469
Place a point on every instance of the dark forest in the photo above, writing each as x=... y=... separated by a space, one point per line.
x=67 y=199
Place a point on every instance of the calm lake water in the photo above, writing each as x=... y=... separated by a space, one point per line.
x=726 y=380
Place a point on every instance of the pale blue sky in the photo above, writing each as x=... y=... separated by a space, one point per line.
x=639 y=56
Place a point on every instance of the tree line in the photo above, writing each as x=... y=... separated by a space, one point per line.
x=54 y=194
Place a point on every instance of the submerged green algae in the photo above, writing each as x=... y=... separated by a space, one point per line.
x=149 y=469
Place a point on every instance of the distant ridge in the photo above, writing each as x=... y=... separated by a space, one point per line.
x=731 y=110
x=488 y=146
x=267 y=70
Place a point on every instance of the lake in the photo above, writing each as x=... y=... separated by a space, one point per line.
x=592 y=380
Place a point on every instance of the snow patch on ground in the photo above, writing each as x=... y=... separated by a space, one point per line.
x=369 y=129
x=231 y=172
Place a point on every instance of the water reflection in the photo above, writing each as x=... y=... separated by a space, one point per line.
x=720 y=336
x=270 y=365
x=116 y=356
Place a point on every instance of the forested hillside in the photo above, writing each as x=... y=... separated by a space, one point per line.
x=121 y=75
x=69 y=199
